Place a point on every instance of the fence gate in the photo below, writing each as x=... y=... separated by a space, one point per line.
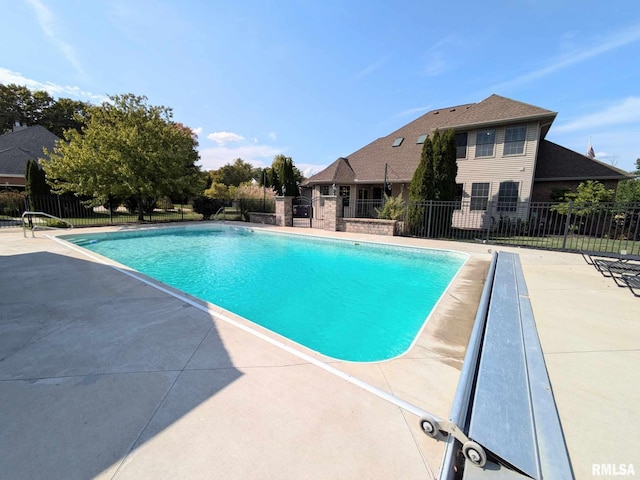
x=308 y=212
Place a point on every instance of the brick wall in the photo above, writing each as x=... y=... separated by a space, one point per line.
x=542 y=190
x=368 y=225
x=264 y=218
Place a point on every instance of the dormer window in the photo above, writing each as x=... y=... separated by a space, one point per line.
x=421 y=139
x=398 y=141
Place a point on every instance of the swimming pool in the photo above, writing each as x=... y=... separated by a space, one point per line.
x=347 y=300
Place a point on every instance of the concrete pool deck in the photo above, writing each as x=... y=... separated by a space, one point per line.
x=105 y=376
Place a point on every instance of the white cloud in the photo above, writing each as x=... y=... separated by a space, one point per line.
x=197 y=130
x=434 y=60
x=411 y=111
x=273 y=136
x=576 y=56
x=222 y=138
x=47 y=23
x=8 y=76
x=624 y=112
x=370 y=68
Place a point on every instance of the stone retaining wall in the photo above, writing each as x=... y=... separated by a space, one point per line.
x=368 y=225
x=264 y=218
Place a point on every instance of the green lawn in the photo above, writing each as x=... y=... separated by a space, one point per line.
x=573 y=242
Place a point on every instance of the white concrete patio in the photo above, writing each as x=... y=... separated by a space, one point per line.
x=104 y=376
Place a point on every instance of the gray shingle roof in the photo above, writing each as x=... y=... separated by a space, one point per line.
x=368 y=163
x=556 y=162
x=17 y=148
x=13 y=161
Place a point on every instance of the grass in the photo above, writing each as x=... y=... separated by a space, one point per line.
x=573 y=242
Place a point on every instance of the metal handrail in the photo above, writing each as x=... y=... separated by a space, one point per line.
x=221 y=209
x=34 y=227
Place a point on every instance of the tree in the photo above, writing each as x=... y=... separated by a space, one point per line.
x=127 y=149
x=629 y=190
x=434 y=179
x=586 y=199
x=35 y=178
x=64 y=114
x=19 y=104
x=233 y=174
x=285 y=176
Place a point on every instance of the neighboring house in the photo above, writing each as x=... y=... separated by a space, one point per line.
x=17 y=148
x=503 y=158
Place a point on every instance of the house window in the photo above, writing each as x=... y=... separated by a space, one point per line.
x=421 y=139
x=397 y=142
x=485 y=139
x=508 y=197
x=459 y=195
x=324 y=189
x=479 y=196
x=514 y=140
x=461 y=145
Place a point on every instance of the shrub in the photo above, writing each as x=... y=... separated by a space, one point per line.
x=11 y=203
x=206 y=206
x=392 y=209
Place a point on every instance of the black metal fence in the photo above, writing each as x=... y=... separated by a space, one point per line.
x=601 y=227
x=80 y=213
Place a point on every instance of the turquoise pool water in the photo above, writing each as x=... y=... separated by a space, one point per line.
x=350 y=301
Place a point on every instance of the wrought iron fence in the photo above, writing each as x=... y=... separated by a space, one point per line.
x=362 y=209
x=80 y=213
x=597 y=227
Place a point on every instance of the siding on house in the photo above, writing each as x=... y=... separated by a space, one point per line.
x=500 y=168
x=541 y=160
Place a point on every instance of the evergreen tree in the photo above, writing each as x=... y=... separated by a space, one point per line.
x=289 y=184
x=434 y=179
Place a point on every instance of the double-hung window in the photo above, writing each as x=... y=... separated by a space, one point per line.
x=514 y=140
x=485 y=140
x=479 y=196
x=461 y=145
x=508 y=197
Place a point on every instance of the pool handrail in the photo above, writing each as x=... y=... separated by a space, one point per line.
x=29 y=214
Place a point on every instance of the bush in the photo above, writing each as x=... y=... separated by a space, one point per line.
x=392 y=209
x=206 y=206
x=11 y=203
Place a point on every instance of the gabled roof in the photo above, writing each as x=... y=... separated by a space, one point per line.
x=368 y=163
x=556 y=163
x=496 y=109
x=339 y=172
x=13 y=161
x=16 y=148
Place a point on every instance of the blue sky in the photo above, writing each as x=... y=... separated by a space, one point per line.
x=316 y=80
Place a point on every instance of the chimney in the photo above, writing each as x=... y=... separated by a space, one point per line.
x=17 y=126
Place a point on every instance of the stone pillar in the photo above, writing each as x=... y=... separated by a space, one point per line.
x=332 y=212
x=284 y=211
